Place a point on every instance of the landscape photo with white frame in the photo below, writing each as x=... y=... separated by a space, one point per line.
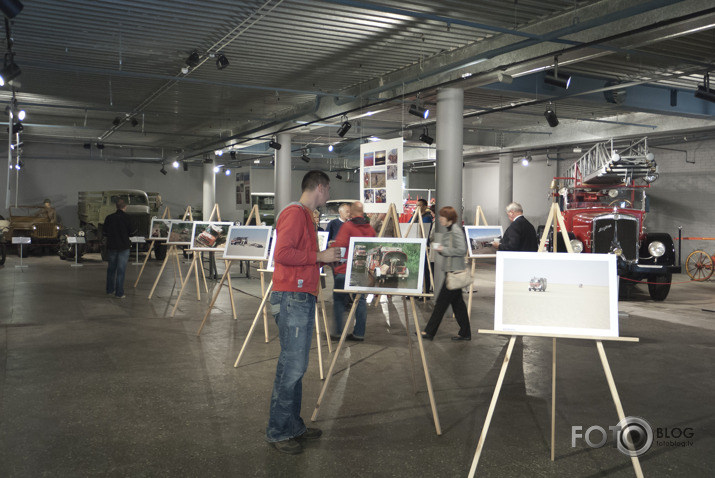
x=480 y=238
x=248 y=243
x=209 y=235
x=385 y=265
x=180 y=232
x=556 y=294
x=322 y=244
x=159 y=229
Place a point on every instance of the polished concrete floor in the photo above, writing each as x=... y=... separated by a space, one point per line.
x=95 y=386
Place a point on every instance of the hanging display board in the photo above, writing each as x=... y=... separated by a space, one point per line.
x=381 y=173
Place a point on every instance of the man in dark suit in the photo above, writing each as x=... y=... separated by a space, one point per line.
x=520 y=235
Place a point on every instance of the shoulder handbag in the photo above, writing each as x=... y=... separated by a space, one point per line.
x=458 y=279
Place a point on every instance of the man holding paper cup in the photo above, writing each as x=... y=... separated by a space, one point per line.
x=358 y=226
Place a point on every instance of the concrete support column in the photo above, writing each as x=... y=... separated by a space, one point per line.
x=449 y=164
x=282 y=172
x=209 y=187
x=506 y=186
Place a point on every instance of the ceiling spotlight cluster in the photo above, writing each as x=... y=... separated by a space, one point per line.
x=426 y=138
x=556 y=78
x=550 y=115
x=345 y=127
x=274 y=144
x=419 y=111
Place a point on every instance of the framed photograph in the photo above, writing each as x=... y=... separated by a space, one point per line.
x=385 y=265
x=180 y=233
x=249 y=243
x=209 y=236
x=480 y=238
x=564 y=294
x=322 y=244
x=159 y=229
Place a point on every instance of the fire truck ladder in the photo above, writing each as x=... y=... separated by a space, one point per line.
x=604 y=164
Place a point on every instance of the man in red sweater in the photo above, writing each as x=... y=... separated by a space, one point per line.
x=295 y=289
x=358 y=226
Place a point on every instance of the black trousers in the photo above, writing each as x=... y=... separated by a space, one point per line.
x=446 y=298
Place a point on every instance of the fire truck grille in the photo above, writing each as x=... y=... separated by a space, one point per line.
x=609 y=231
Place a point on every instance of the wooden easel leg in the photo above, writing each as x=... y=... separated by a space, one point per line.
x=200 y=265
x=178 y=265
x=616 y=400
x=351 y=316
x=151 y=246
x=317 y=337
x=230 y=288
x=430 y=392
x=183 y=285
x=325 y=320
x=163 y=265
x=213 y=301
x=553 y=398
x=492 y=405
x=409 y=345
x=253 y=325
x=265 y=313
x=471 y=292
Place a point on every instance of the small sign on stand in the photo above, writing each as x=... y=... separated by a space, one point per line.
x=137 y=240
x=76 y=241
x=21 y=241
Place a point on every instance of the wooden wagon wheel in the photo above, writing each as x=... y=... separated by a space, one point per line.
x=699 y=265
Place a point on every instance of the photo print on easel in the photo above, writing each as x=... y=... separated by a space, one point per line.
x=209 y=236
x=480 y=238
x=385 y=265
x=563 y=294
x=248 y=243
x=180 y=233
x=160 y=229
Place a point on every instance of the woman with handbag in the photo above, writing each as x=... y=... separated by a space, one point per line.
x=453 y=248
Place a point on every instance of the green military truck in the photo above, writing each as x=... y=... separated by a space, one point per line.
x=94 y=206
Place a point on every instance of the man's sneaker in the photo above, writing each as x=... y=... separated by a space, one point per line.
x=121 y=296
x=310 y=434
x=289 y=447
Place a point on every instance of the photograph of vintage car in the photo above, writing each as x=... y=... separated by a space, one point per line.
x=385 y=266
x=248 y=243
x=586 y=284
x=209 y=236
x=180 y=233
x=159 y=230
x=480 y=238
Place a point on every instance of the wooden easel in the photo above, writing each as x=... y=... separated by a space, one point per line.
x=351 y=317
x=226 y=274
x=556 y=221
x=417 y=215
x=166 y=215
x=196 y=265
x=173 y=251
x=478 y=216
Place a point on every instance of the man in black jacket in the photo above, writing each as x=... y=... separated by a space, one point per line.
x=117 y=229
x=520 y=235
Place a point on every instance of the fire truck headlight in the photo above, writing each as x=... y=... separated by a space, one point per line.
x=656 y=248
x=577 y=246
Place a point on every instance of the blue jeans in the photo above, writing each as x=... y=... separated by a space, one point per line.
x=340 y=301
x=295 y=316
x=116 y=269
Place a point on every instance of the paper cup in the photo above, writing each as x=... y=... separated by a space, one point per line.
x=342 y=254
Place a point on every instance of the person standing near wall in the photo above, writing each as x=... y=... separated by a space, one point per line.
x=520 y=235
x=117 y=228
x=295 y=290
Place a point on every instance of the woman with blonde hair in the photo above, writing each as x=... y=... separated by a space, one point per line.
x=453 y=247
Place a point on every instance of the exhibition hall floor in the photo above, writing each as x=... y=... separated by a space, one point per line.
x=91 y=385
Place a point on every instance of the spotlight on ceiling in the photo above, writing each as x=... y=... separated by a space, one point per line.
x=426 y=138
x=221 y=61
x=217 y=169
x=419 y=111
x=338 y=176
x=704 y=92
x=345 y=127
x=20 y=164
x=330 y=148
x=232 y=154
x=305 y=158
x=556 y=78
x=550 y=116
x=10 y=70
x=228 y=172
x=134 y=122
x=17 y=127
x=219 y=152
x=193 y=59
x=526 y=160
x=116 y=121
x=273 y=144
x=21 y=115
x=185 y=165
x=100 y=145
x=11 y=8
x=162 y=170
x=175 y=164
